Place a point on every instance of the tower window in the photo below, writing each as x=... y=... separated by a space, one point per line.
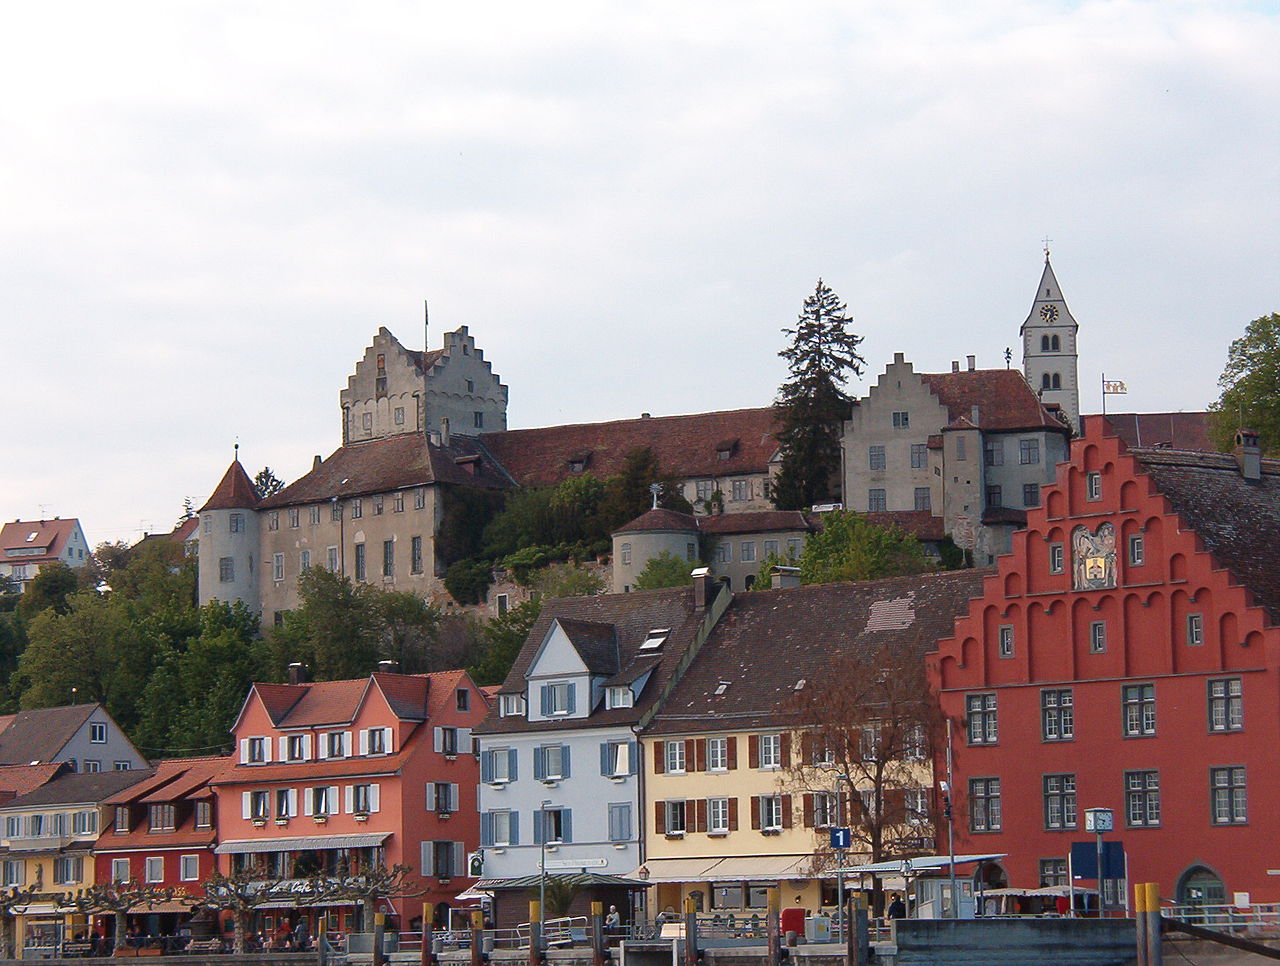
x=1054 y=344
x=1057 y=381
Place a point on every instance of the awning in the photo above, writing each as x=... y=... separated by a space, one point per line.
x=142 y=908
x=302 y=843
x=738 y=868
x=295 y=904
x=922 y=863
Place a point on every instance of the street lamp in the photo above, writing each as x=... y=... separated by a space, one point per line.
x=542 y=872
x=949 y=814
x=842 y=917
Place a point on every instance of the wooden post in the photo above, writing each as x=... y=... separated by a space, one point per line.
x=477 y=937
x=773 y=926
x=379 y=930
x=597 y=933
x=690 y=932
x=426 y=957
x=535 y=933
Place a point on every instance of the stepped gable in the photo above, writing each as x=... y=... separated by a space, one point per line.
x=1004 y=399
x=1185 y=431
x=809 y=625
x=631 y=617
x=394 y=463
x=724 y=443
x=754 y=521
x=234 y=492
x=38 y=735
x=1237 y=519
x=423 y=360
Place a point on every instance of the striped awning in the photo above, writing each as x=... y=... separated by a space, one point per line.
x=302 y=843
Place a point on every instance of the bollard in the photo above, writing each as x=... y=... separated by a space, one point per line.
x=597 y=934
x=477 y=931
x=1151 y=916
x=535 y=933
x=426 y=957
x=379 y=930
x=690 y=932
x=772 y=926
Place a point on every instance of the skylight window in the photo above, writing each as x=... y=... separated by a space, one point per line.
x=800 y=685
x=32 y=535
x=655 y=639
x=722 y=687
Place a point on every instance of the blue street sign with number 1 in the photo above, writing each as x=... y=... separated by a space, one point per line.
x=841 y=839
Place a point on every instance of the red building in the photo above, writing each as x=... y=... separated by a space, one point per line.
x=1126 y=656
x=342 y=775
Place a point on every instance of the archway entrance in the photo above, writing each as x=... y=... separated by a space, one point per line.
x=1200 y=887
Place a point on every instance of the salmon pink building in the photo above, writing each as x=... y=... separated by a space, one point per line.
x=337 y=776
x=1126 y=656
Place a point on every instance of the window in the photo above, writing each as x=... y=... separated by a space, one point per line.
x=625 y=552
x=122 y=823
x=294 y=513
x=876 y=501
x=554 y=824
x=1028 y=451
x=914 y=743
x=995 y=495
x=84 y=823
x=554 y=762
x=366 y=421
x=360 y=562
x=771 y=751
x=397 y=502
x=1059 y=801
x=723 y=550
x=377 y=741
x=332 y=559
x=462 y=699
x=1053 y=872
x=748 y=551
x=924 y=500
x=1057 y=715
x=189 y=868
x=960 y=448
x=13 y=826
x=471 y=386
x=357 y=508
x=717 y=754
x=161 y=818
x=557 y=699
x=740 y=490
x=415 y=555
x=315 y=515
x=324 y=800
x=363 y=799
x=675 y=817
x=1139 y=702
x=98 y=732
x=1195 y=630
x=120 y=766
x=875 y=456
x=335 y=511
x=497 y=763
x=770 y=548
x=703 y=489
x=1229 y=800
x=984 y=805
x=377 y=505
x=68 y=869
x=980 y=718
x=277 y=566
x=226 y=570
x=204 y=815
x=442 y=864
x=1098 y=637
x=273 y=520
x=1030 y=494
x=1226 y=705
x=619 y=697
x=824 y=810
x=304 y=560
x=295 y=748
x=15 y=871
x=1137 y=550
x=616 y=761
x=504 y=824
x=1142 y=798
x=510 y=705
x=1006 y=640
x=286 y=803
x=770 y=813
x=919 y=456
x=993 y=452
x=478 y=419
x=619 y=821
x=1093 y=485
x=794 y=547
x=718 y=816
x=155 y=868
x=901 y=420
x=119 y=870
x=419 y=498
x=397 y=416
x=674 y=754
x=259 y=806
x=388 y=558
x=236 y=523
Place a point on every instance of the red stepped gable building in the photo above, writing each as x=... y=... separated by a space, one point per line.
x=340 y=775
x=1127 y=656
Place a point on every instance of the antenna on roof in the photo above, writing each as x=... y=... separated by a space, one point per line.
x=426 y=347
x=656 y=490
x=1008 y=356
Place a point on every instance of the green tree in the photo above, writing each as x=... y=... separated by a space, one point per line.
x=1250 y=386
x=502 y=637
x=48 y=589
x=812 y=404
x=266 y=483
x=566 y=580
x=627 y=495
x=337 y=631
x=467 y=581
x=848 y=547
x=103 y=564
x=665 y=570
x=410 y=632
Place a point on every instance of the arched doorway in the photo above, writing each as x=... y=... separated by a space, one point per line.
x=989 y=875
x=1200 y=887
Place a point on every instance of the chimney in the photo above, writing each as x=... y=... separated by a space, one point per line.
x=297 y=673
x=444 y=430
x=955 y=366
x=702 y=582
x=973 y=362
x=784 y=578
x=315 y=463
x=646 y=416
x=389 y=667
x=1248 y=454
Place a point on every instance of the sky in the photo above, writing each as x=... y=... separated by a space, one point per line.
x=210 y=208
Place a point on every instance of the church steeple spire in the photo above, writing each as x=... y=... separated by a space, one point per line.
x=1049 y=356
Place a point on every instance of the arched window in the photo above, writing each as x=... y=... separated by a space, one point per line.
x=1055 y=345
x=1057 y=381
x=1044 y=343
x=1046 y=382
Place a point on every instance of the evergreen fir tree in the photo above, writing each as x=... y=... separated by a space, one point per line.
x=812 y=403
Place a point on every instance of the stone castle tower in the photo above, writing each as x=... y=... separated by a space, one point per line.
x=229 y=550
x=1049 y=354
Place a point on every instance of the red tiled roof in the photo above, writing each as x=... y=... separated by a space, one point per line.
x=277 y=699
x=922 y=523
x=1184 y=431
x=1004 y=399
x=754 y=521
x=382 y=465
x=172 y=780
x=325 y=703
x=49 y=535
x=406 y=694
x=684 y=445
x=235 y=492
x=19 y=779
x=307 y=770
x=660 y=519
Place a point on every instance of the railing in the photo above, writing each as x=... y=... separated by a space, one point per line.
x=1260 y=919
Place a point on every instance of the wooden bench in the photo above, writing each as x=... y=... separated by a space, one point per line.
x=210 y=945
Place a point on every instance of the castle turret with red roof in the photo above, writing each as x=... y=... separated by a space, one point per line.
x=229 y=541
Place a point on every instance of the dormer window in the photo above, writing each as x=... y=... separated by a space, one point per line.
x=557 y=699
x=655 y=638
x=511 y=705
x=122 y=818
x=619 y=697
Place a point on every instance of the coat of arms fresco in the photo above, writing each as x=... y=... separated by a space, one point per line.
x=1093 y=558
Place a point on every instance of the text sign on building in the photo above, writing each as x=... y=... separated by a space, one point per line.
x=841 y=839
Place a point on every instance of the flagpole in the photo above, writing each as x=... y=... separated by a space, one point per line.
x=1104 y=394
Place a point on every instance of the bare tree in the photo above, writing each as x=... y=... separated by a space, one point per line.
x=121 y=898
x=13 y=900
x=248 y=889
x=368 y=886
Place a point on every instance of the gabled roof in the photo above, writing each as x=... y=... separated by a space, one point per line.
x=755 y=521
x=234 y=492
x=810 y=625
x=1187 y=431
x=18 y=780
x=40 y=734
x=632 y=617
x=684 y=445
x=1004 y=399
x=411 y=697
x=76 y=788
x=383 y=465
x=596 y=644
x=48 y=535
x=1049 y=292
x=171 y=780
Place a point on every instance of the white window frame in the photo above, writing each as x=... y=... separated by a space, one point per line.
x=718 y=816
x=717 y=754
x=771 y=813
x=674 y=756
x=771 y=751
x=189 y=868
x=154 y=868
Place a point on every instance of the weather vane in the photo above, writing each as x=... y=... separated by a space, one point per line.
x=655 y=489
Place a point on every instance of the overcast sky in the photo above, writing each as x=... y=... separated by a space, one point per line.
x=209 y=209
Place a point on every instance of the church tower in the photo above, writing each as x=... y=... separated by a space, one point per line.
x=1049 y=355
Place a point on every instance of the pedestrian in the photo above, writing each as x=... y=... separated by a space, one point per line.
x=897 y=910
x=613 y=920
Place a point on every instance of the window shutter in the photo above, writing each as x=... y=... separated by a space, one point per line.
x=808 y=809
x=633 y=757
x=700 y=815
x=437 y=737
x=659 y=760
x=660 y=817
x=539 y=763
x=546 y=699
x=786 y=811
x=700 y=754
x=306 y=747
x=246 y=806
x=753 y=752
x=454 y=801
x=464 y=742
x=284 y=748
x=346 y=743
x=573 y=692
x=308 y=801
x=266 y=749
x=364 y=741
x=613 y=824
x=731 y=744
x=604 y=758
x=428 y=857
x=512 y=759
x=895 y=805
x=244 y=751
x=690 y=755
x=389 y=740
x=566 y=825
x=538 y=816
x=349 y=798
x=486 y=774
x=755 y=811
x=785 y=742
x=733 y=814
x=515 y=828
x=564 y=761
x=486 y=824
x=293 y=803
x=459 y=858
x=806 y=748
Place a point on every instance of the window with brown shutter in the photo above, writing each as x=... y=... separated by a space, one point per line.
x=660 y=817
x=755 y=811
x=895 y=806
x=691 y=755
x=733 y=813
x=700 y=755
x=806 y=748
x=786 y=809
x=732 y=743
x=808 y=809
x=753 y=753
x=786 y=749
x=659 y=757
x=700 y=815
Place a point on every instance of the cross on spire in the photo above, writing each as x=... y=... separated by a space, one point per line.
x=1046 y=241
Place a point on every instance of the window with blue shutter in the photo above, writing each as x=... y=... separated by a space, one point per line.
x=570 y=706
x=539 y=763
x=514 y=827
x=606 y=765
x=512 y=758
x=564 y=761
x=566 y=827
x=486 y=828
x=546 y=699
x=634 y=757
x=486 y=766
x=620 y=822
x=538 y=817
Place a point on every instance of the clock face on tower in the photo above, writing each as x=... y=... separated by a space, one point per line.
x=1049 y=313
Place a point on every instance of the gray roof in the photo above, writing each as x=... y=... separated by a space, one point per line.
x=75 y=788
x=39 y=734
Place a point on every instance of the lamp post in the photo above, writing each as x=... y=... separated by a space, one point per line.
x=949 y=812
x=842 y=912
x=542 y=870
x=1099 y=820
